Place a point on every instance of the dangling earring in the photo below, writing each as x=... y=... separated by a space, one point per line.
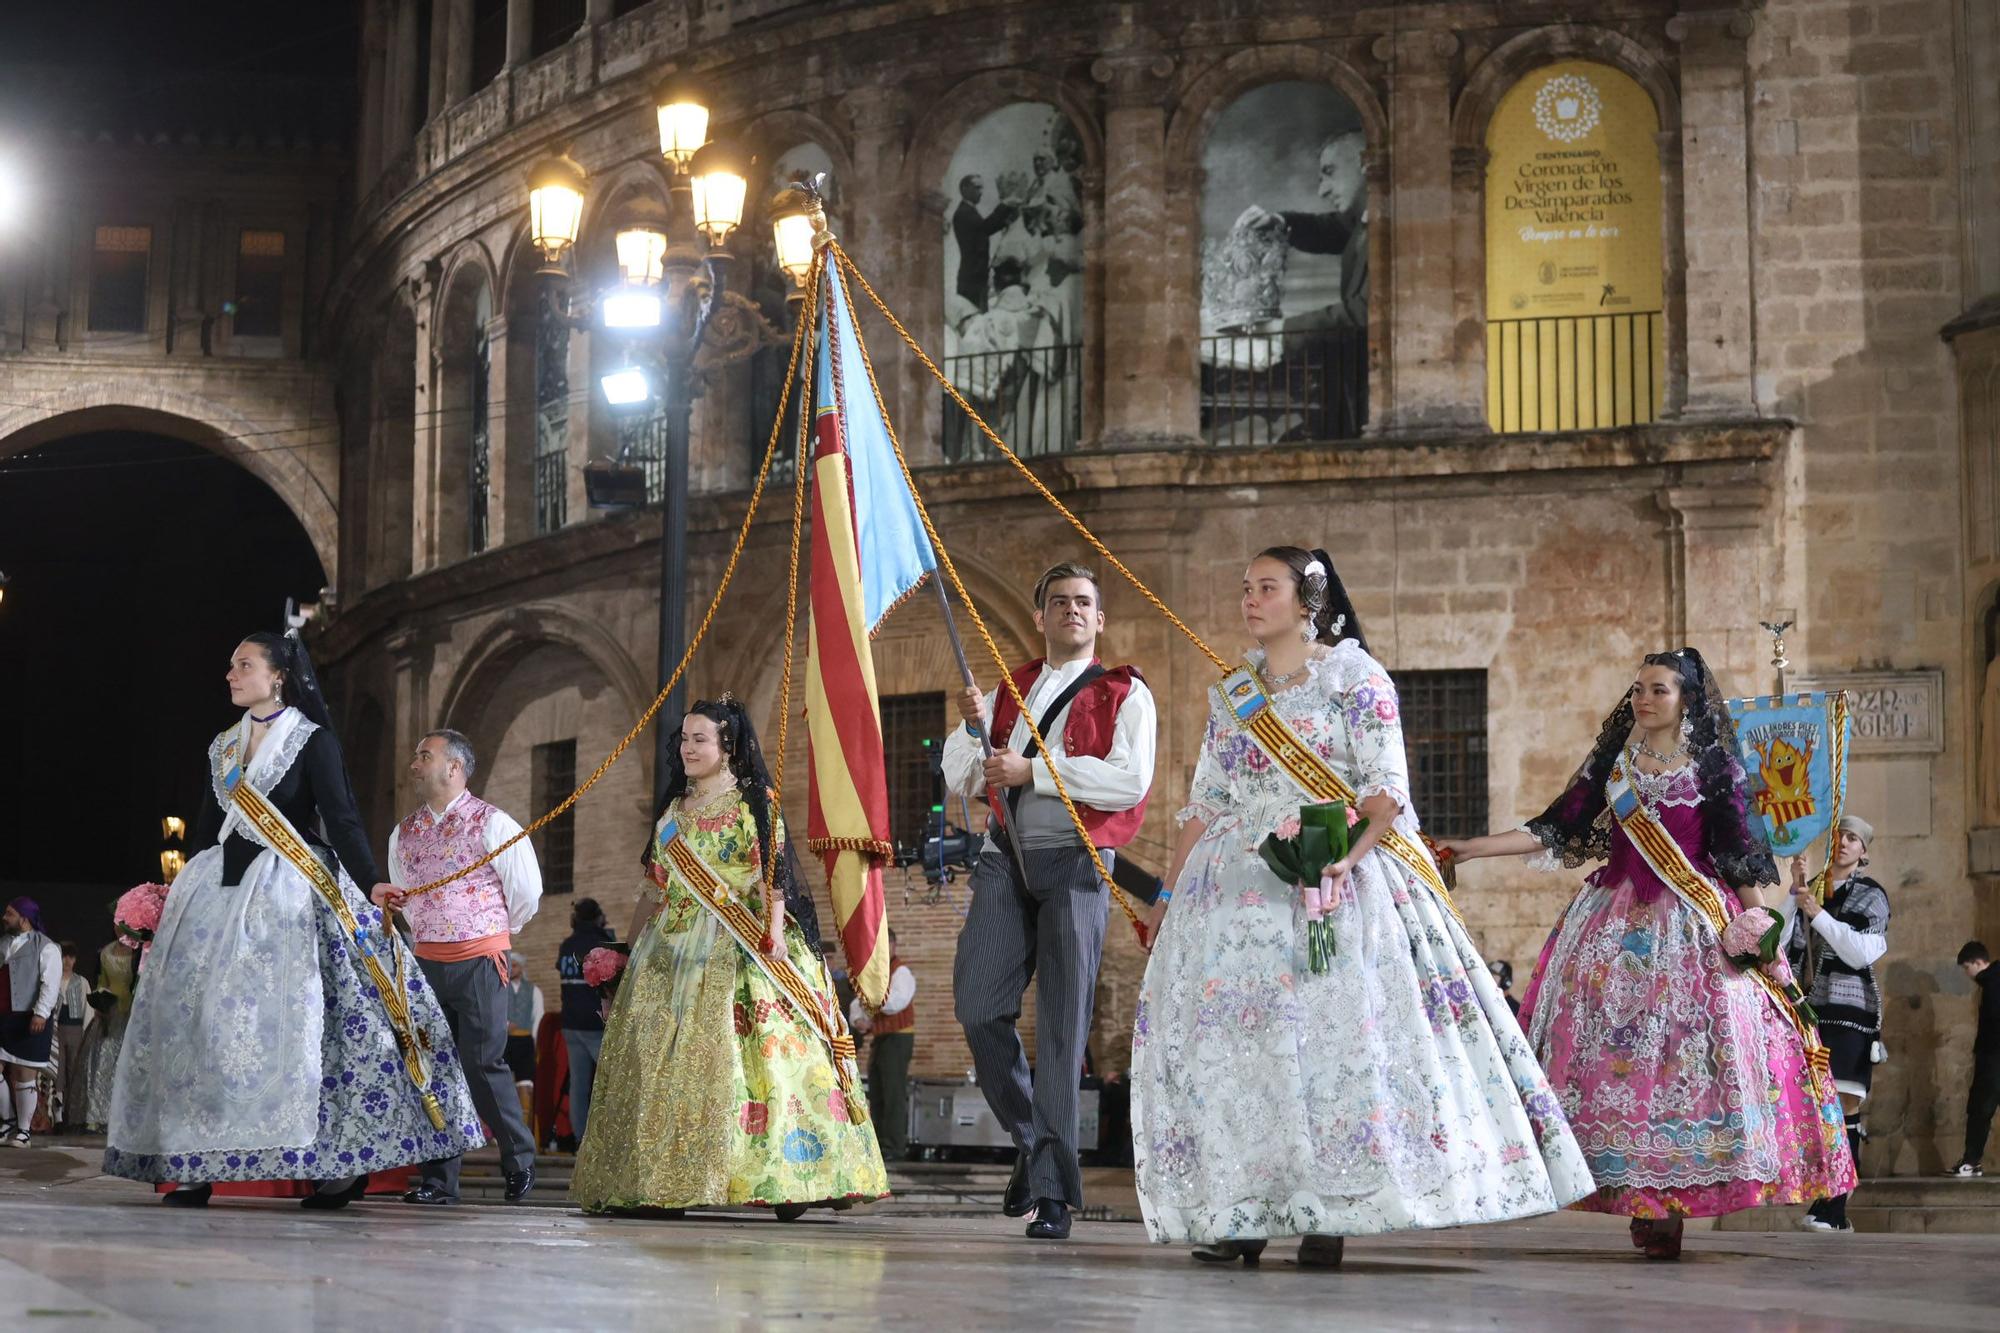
x=1687 y=728
x=1306 y=631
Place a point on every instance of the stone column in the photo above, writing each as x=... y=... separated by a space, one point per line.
x=399 y=118
x=1717 y=531
x=874 y=223
x=440 y=53
x=458 y=49
x=520 y=32
x=412 y=657
x=1716 y=207
x=1149 y=397
x=375 y=24
x=1425 y=389
x=1468 y=306
x=420 y=290
x=597 y=12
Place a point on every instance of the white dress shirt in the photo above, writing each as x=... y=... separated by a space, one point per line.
x=1118 y=781
x=520 y=874
x=902 y=990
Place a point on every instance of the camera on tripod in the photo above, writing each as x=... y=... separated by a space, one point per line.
x=948 y=848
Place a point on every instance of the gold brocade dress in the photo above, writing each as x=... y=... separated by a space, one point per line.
x=710 y=1089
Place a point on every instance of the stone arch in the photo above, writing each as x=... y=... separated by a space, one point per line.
x=280 y=450
x=1502 y=68
x=777 y=131
x=1211 y=94
x=507 y=637
x=1188 y=134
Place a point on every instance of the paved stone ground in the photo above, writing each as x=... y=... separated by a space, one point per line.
x=86 y=1252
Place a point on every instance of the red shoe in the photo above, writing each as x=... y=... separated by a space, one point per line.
x=1665 y=1241
x=1642 y=1232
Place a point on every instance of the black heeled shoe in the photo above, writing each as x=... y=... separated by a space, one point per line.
x=326 y=1201
x=1251 y=1252
x=790 y=1212
x=188 y=1196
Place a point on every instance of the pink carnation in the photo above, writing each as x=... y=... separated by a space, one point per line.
x=137 y=914
x=1288 y=827
x=602 y=965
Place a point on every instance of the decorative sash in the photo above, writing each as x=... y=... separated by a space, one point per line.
x=676 y=858
x=1671 y=864
x=1248 y=700
x=276 y=832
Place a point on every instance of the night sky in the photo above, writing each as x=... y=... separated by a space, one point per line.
x=137 y=563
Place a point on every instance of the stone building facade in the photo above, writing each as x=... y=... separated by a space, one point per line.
x=1819 y=441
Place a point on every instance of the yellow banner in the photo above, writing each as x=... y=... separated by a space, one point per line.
x=1575 y=333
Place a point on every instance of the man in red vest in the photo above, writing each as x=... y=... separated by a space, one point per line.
x=1038 y=909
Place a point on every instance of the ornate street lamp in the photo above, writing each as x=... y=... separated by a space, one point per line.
x=798 y=219
x=683 y=113
x=668 y=292
x=555 y=209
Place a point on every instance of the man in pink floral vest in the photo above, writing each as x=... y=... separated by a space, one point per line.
x=463 y=932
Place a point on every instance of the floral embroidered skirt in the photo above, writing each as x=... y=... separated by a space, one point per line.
x=1683 y=1082
x=258 y=1049
x=710 y=1090
x=1393 y=1091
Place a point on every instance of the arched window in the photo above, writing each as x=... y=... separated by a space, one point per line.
x=1013 y=281
x=1575 y=306
x=459 y=505
x=1284 y=268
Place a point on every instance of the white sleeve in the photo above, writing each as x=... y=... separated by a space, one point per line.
x=1857 y=948
x=397 y=875
x=541 y=1008
x=964 y=760
x=902 y=990
x=50 y=990
x=1121 y=779
x=520 y=873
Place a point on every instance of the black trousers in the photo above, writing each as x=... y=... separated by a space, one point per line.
x=1982 y=1102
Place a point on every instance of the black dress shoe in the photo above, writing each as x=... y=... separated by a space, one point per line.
x=519 y=1183
x=188 y=1196
x=1015 y=1202
x=428 y=1194
x=324 y=1200
x=1051 y=1220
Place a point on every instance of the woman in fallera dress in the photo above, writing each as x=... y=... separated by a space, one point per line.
x=262 y=1044
x=1393 y=1090
x=1684 y=1075
x=727 y=1076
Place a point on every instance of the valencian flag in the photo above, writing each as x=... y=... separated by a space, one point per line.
x=869 y=552
x=1794 y=747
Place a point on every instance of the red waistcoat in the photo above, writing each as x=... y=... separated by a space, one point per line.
x=1087 y=728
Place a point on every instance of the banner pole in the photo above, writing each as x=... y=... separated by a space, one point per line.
x=936 y=581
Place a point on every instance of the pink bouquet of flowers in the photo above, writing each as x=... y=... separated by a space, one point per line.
x=603 y=966
x=137 y=914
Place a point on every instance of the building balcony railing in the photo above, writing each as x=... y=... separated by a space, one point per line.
x=1575 y=372
x=1273 y=388
x=1032 y=397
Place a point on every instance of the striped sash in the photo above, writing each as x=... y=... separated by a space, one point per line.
x=1671 y=864
x=1244 y=694
x=274 y=831
x=675 y=858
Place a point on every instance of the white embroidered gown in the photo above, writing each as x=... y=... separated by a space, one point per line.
x=1393 y=1091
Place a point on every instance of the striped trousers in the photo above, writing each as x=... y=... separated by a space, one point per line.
x=1049 y=930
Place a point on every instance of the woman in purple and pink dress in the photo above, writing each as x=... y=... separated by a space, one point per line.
x=1683 y=1080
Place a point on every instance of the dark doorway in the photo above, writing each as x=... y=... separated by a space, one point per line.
x=135 y=563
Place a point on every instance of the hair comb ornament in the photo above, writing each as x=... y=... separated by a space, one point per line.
x=1312 y=592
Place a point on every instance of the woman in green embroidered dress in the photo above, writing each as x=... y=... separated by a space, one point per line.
x=713 y=1089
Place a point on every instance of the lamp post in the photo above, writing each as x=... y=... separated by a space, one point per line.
x=672 y=280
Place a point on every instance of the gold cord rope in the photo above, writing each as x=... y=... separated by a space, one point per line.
x=846 y=266
x=701 y=632
x=951 y=391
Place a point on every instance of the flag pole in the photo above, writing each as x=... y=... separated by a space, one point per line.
x=985 y=740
